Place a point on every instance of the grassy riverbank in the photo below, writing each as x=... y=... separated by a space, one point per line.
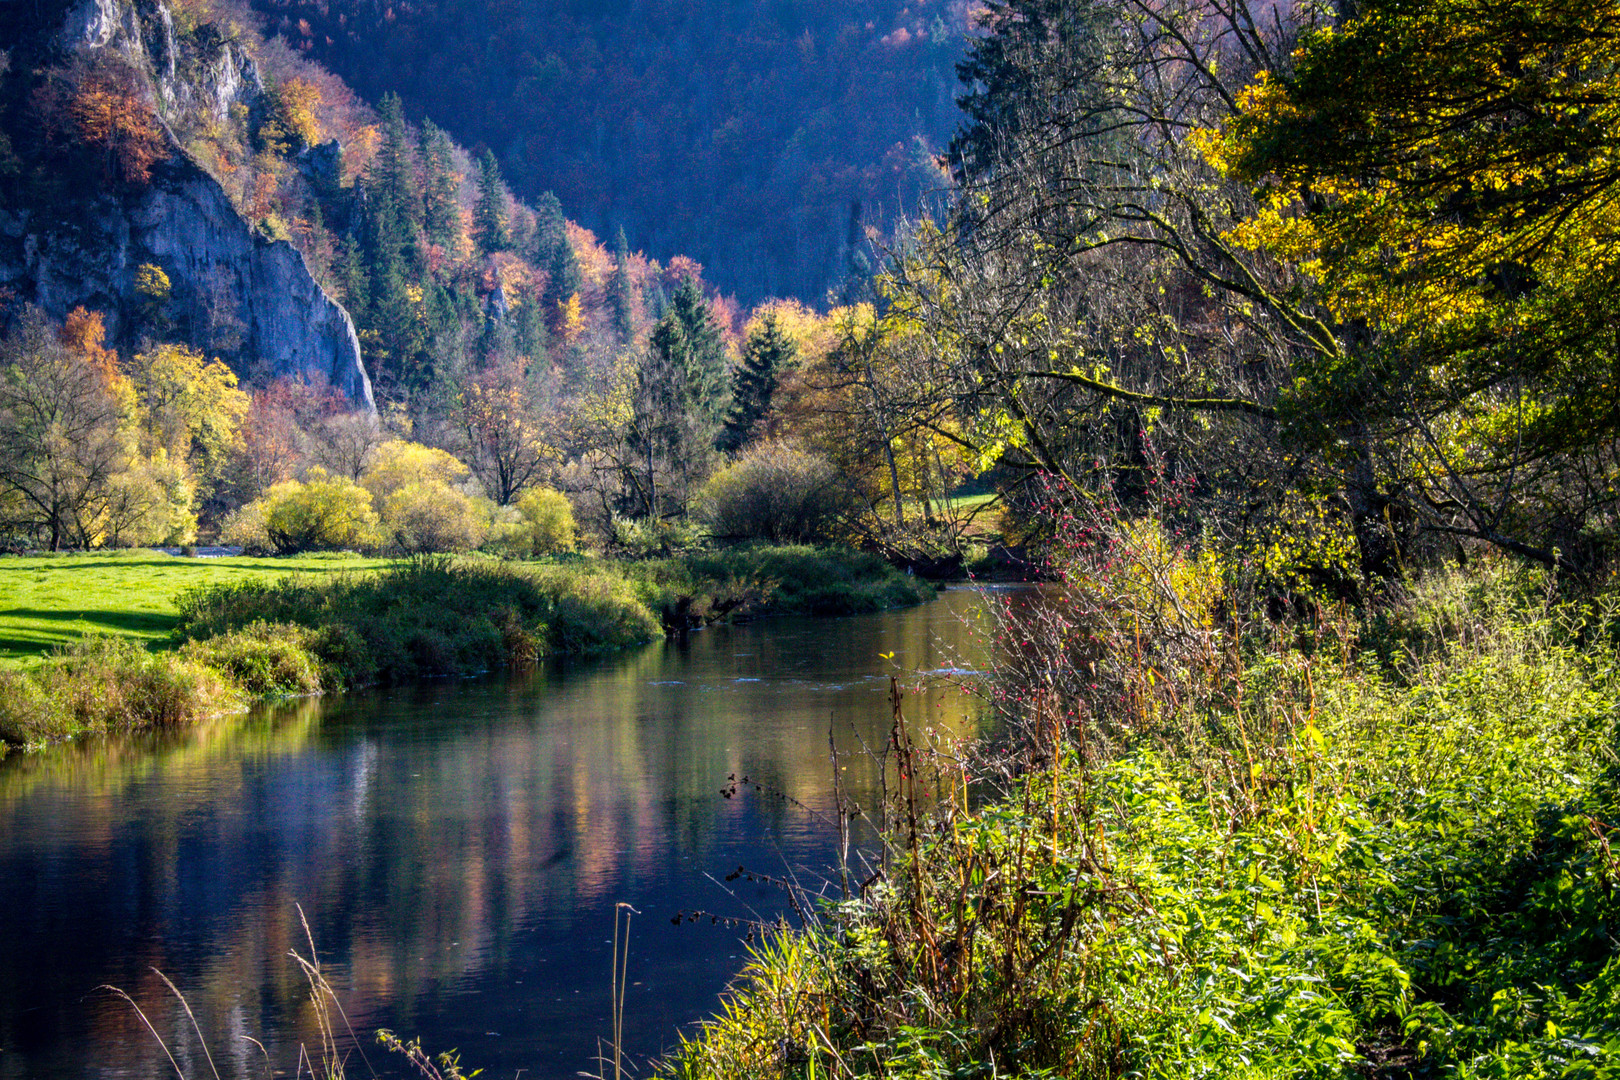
x=1361 y=847
x=231 y=631
x=49 y=601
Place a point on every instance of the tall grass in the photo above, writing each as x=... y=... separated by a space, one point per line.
x=105 y=683
x=432 y=616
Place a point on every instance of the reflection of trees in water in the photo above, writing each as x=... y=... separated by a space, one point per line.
x=426 y=831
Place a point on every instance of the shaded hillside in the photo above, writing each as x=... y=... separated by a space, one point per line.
x=756 y=138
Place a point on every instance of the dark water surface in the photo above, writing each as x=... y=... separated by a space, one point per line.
x=457 y=849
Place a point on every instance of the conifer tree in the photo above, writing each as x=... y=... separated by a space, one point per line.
x=705 y=364
x=680 y=394
x=621 y=292
x=491 y=228
x=393 y=186
x=767 y=353
x=441 y=220
x=550 y=228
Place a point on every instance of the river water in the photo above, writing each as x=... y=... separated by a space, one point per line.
x=457 y=849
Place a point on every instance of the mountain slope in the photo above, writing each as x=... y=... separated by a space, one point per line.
x=757 y=138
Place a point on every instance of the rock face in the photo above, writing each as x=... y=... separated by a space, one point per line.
x=235 y=294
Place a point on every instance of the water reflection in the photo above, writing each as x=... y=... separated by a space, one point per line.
x=457 y=849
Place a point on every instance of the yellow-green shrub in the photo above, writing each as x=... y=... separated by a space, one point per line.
x=325 y=513
x=430 y=516
x=548 y=518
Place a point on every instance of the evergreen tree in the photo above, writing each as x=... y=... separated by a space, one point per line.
x=621 y=292
x=767 y=353
x=705 y=364
x=680 y=392
x=529 y=329
x=550 y=229
x=441 y=218
x=353 y=278
x=392 y=181
x=562 y=275
x=491 y=229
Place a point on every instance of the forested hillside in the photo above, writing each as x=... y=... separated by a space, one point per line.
x=759 y=139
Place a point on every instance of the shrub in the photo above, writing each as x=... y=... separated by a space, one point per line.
x=429 y=516
x=323 y=514
x=398 y=464
x=263 y=659
x=432 y=616
x=245 y=527
x=549 y=518
x=103 y=683
x=775 y=493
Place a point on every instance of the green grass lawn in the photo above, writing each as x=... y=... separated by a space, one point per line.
x=46 y=601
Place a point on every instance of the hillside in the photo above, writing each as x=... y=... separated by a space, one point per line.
x=759 y=139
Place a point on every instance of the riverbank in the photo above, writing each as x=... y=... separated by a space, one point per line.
x=238 y=631
x=1372 y=846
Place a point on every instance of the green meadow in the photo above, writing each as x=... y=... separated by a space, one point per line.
x=50 y=601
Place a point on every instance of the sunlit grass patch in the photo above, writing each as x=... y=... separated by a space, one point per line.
x=50 y=601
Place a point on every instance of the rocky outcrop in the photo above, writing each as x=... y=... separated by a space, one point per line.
x=216 y=74
x=235 y=294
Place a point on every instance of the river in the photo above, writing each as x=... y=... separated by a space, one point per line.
x=456 y=847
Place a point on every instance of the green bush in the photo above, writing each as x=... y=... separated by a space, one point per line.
x=777 y=494
x=429 y=516
x=549 y=518
x=263 y=659
x=324 y=513
x=432 y=616
x=1341 y=865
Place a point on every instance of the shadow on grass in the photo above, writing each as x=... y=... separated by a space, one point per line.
x=52 y=628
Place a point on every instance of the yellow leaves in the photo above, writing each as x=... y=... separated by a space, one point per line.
x=570 y=319
x=189 y=406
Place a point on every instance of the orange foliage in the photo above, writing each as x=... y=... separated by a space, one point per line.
x=108 y=111
x=679 y=269
x=85 y=335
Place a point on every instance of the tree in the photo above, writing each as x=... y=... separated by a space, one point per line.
x=188 y=407
x=290 y=123
x=680 y=392
x=108 y=109
x=325 y=513
x=61 y=441
x=767 y=353
x=1443 y=173
x=622 y=290
x=396 y=464
x=773 y=492
x=1088 y=294
x=491 y=229
x=562 y=280
x=548 y=521
x=396 y=197
x=441 y=219
x=499 y=416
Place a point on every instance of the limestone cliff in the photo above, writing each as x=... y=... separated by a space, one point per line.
x=235 y=293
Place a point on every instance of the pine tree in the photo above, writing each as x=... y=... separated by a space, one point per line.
x=491 y=229
x=441 y=218
x=392 y=179
x=766 y=355
x=680 y=391
x=705 y=366
x=622 y=293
